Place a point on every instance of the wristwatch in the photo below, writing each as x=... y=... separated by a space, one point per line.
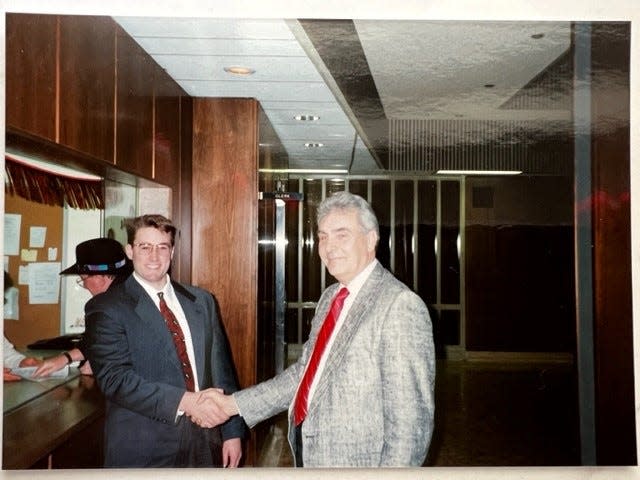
x=69 y=359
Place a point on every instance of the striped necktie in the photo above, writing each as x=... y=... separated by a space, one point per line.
x=178 y=341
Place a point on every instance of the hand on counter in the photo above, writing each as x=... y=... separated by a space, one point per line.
x=30 y=362
x=25 y=362
x=50 y=365
x=53 y=364
x=10 y=377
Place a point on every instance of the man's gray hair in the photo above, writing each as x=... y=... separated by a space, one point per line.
x=350 y=201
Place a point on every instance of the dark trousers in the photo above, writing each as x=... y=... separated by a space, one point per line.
x=298 y=445
x=199 y=447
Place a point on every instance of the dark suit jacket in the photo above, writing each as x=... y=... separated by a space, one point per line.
x=136 y=366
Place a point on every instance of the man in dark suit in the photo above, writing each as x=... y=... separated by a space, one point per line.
x=154 y=346
x=362 y=392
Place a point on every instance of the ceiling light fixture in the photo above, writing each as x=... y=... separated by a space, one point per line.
x=314 y=145
x=242 y=71
x=478 y=172
x=302 y=170
x=537 y=36
x=307 y=118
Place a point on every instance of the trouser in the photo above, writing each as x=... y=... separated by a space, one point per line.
x=298 y=445
x=199 y=447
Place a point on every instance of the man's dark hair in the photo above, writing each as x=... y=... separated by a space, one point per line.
x=160 y=222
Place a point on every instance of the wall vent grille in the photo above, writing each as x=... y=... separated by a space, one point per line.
x=420 y=145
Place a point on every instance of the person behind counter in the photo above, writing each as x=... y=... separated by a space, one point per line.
x=11 y=357
x=100 y=262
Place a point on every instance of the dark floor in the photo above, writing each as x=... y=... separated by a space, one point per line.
x=489 y=414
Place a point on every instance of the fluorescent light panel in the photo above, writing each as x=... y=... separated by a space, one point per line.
x=479 y=172
x=300 y=170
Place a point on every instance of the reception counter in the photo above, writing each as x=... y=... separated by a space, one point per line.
x=53 y=423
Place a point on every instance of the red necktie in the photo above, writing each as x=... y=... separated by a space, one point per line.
x=301 y=402
x=178 y=341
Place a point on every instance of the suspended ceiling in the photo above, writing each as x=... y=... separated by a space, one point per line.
x=359 y=76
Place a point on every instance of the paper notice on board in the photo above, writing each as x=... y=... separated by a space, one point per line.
x=12 y=233
x=44 y=283
x=37 y=236
x=23 y=275
x=27 y=255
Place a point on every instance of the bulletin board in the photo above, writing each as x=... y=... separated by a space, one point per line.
x=35 y=320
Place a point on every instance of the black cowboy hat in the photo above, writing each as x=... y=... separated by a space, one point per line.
x=99 y=256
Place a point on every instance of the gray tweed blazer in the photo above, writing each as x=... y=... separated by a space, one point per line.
x=374 y=403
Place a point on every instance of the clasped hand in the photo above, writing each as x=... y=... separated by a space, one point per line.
x=208 y=408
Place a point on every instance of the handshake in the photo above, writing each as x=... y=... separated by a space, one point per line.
x=208 y=408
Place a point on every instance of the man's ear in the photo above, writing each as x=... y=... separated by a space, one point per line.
x=372 y=240
x=128 y=249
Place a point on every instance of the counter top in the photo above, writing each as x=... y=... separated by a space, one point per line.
x=40 y=416
x=23 y=391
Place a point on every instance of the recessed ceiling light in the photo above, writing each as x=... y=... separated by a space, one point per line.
x=307 y=118
x=537 y=36
x=313 y=145
x=239 y=70
x=489 y=85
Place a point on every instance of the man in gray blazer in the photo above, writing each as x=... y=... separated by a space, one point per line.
x=370 y=402
x=152 y=364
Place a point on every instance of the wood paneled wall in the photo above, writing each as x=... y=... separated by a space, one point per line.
x=83 y=84
x=225 y=218
x=134 y=106
x=225 y=223
x=87 y=62
x=31 y=73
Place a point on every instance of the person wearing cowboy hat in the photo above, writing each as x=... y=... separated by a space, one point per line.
x=100 y=262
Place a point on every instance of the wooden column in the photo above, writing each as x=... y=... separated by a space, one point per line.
x=225 y=218
x=225 y=222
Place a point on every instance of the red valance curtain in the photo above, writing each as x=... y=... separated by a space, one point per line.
x=39 y=185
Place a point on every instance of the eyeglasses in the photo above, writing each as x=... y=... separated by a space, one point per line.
x=80 y=281
x=147 y=248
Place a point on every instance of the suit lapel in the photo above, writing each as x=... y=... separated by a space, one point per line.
x=195 y=316
x=149 y=315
